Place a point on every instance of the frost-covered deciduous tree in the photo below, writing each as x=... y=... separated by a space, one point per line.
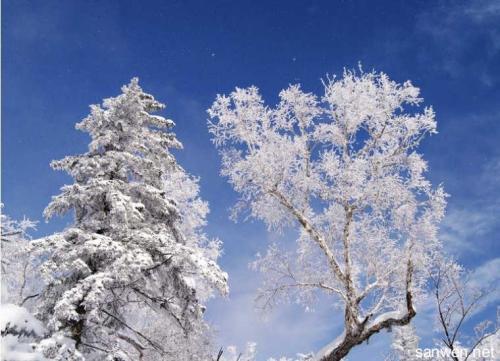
x=344 y=169
x=19 y=281
x=405 y=348
x=20 y=330
x=128 y=278
x=458 y=299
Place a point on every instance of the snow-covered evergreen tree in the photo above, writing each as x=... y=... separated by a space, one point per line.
x=128 y=278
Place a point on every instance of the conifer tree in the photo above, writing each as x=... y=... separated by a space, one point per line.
x=127 y=279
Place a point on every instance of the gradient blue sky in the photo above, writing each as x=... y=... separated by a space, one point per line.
x=60 y=56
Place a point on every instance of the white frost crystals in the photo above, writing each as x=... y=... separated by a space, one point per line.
x=344 y=169
x=127 y=279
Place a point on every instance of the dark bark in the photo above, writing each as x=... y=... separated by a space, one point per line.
x=362 y=333
x=77 y=327
x=351 y=341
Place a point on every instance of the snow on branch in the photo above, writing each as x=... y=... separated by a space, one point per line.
x=343 y=169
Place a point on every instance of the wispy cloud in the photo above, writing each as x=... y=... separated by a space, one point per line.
x=490 y=177
x=287 y=330
x=482 y=10
x=487 y=276
x=462 y=230
x=472 y=224
x=460 y=31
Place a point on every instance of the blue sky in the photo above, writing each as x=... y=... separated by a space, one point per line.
x=60 y=56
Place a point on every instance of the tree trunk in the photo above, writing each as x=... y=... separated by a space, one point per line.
x=343 y=349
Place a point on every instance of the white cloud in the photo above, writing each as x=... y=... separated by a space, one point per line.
x=482 y=10
x=473 y=226
x=286 y=330
x=463 y=230
x=487 y=276
x=490 y=177
x=456 y=30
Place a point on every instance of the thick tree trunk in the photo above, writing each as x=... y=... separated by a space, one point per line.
x=342 y=350
x=361 y=333
x=350 y=341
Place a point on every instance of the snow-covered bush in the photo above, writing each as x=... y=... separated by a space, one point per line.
x=20 y=333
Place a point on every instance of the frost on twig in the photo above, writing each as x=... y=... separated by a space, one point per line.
x=344 y=170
